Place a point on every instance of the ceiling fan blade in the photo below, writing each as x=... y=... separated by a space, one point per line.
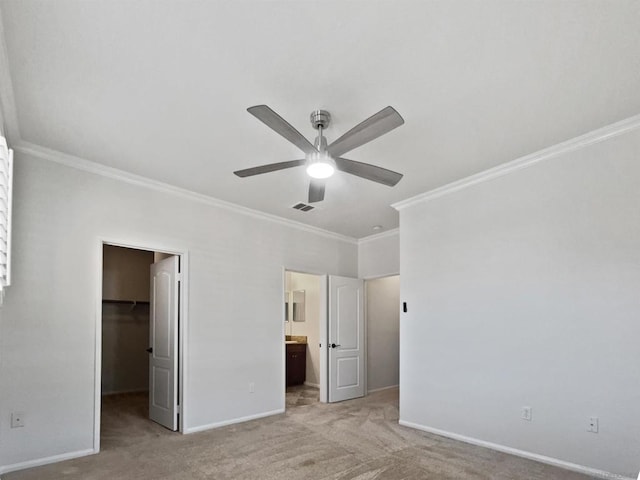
x=272 y=167
x=368 y=171
x=316 y=190
x=373 y=127
x=274 y=121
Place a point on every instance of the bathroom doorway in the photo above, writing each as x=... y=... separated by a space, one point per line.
x=306 y=299
x=303 y=309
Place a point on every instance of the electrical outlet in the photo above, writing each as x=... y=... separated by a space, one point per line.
x=252 y=387
x=593 y=425
x=526 y=413
x=17 y=420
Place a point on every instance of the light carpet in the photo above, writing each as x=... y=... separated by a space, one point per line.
x=353 y=440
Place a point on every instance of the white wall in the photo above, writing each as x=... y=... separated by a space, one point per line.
x=48 y=322
x=524 y=291
x=383 y=331
x=379 y=255
x=311 y=326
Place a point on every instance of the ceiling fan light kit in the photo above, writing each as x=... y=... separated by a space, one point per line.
x=322 y=167
x=323 y=160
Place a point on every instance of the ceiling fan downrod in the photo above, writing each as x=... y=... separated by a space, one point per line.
x=319 y=164
x=320 y=120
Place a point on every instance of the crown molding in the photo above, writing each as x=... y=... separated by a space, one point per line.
x=379 y=236
x=593 y=137
x=8 y=113
x=138 y=180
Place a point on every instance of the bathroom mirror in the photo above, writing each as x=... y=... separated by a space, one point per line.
x=298 y=306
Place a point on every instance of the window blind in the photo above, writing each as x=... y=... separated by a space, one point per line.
x=6 y=181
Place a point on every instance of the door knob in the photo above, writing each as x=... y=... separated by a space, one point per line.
x=150 y=350
x=333 y=345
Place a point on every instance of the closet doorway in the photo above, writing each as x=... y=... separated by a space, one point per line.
x=140 y=344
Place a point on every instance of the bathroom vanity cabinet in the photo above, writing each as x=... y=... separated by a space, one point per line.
x=296 y=363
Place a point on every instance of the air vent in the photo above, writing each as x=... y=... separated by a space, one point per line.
x=303 y=207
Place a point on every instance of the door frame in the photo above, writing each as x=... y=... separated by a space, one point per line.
x=324 y=332
x=324 y=329
x=183 y=253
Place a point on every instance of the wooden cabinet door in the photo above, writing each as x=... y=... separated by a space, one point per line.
x=296 y=370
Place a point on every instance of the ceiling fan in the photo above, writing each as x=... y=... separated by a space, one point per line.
x=321 y=159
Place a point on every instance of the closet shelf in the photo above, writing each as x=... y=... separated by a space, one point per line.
x=127 y=302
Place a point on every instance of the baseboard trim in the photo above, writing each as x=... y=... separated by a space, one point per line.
x=312 y=385
x=574 y=467
x=210 y=426
x=46 y=460
x=382 y=388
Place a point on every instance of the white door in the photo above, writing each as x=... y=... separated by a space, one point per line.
x=346 y=338
x=163 y=339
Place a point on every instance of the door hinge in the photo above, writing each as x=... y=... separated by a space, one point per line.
x=179 y=276
x=178 y=409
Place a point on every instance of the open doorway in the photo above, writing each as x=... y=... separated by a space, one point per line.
x=138 y=365
x=303 y=299
x=382 y=299
x=333 y=346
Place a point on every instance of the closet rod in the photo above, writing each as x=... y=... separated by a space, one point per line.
x=126 y=302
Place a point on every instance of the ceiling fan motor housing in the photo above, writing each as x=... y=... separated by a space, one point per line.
x=320 y=118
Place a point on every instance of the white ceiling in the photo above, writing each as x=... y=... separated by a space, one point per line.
x=160 y=88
